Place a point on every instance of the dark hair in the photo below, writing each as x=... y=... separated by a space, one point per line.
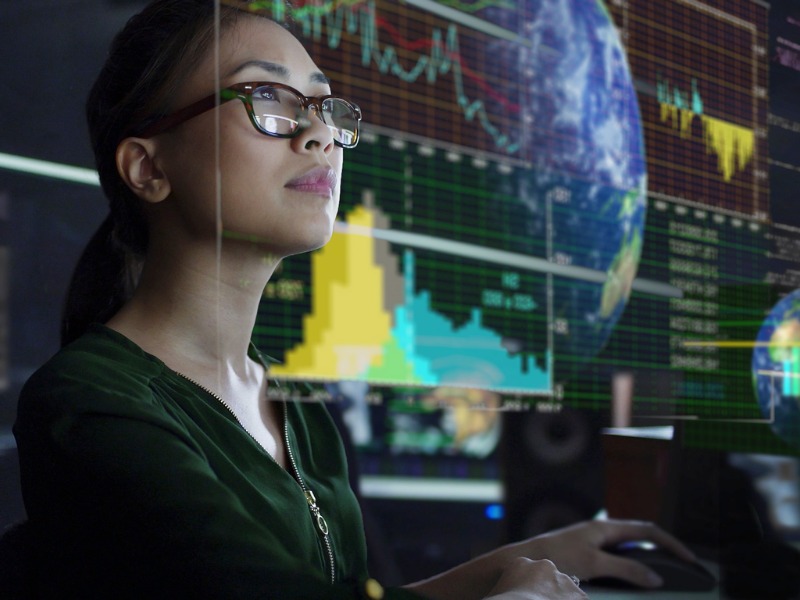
x=147 y=61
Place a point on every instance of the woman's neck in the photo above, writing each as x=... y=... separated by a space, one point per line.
x=196 y=312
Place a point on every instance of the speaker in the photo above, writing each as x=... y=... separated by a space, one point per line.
x=552 y=469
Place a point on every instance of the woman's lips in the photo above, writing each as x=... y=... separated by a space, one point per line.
x=319 y=180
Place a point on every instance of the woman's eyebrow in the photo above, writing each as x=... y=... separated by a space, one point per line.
x=320 y=77
x=279 y=70
x=269 y=67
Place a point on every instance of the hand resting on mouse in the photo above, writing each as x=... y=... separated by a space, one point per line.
x=675 y=573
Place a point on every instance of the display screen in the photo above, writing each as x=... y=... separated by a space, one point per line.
x=550 y=193
x=550 y=198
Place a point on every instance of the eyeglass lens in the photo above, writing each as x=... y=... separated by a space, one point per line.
x=279 y=111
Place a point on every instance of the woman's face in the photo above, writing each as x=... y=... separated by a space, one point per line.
x=282 y=194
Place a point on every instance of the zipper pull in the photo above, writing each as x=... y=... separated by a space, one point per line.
x=312 y=506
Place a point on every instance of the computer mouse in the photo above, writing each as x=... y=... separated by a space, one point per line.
x=678 y=574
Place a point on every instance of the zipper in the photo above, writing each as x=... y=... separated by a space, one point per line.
x=322 y=525
x=311 y=500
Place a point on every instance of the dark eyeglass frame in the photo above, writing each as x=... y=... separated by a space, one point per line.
x=244 y=92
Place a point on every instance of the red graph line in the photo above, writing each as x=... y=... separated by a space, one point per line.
x=426 y=44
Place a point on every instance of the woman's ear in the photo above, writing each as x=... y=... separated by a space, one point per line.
x=137 y=166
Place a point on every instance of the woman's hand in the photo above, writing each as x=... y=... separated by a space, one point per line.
x=577 y=549
x=516 y=571
x=526 y=579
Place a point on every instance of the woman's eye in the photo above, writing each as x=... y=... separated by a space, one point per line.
x=265 y=94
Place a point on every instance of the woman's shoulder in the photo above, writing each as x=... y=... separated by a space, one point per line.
x=101 y=355
x=101 y=364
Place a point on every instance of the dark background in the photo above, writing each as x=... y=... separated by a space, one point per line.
x=51 y=51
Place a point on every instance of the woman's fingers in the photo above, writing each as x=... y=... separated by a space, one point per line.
x=527 y=579
x=580 y=549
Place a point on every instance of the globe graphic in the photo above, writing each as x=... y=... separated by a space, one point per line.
x=776 y=368
x=583 y=134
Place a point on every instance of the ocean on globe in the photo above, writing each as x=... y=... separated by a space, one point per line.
x=586 y=188
x=776 y=368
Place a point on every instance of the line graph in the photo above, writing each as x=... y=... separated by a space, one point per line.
x=448 y=59
x=733 y=144
x=703 y=99
x=674 y=98
x=415 y=56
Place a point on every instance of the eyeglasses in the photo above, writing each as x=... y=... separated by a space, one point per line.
x=276 y=110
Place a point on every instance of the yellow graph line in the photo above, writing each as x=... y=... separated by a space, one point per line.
x=733 y=144
x=739 y=344
x=779 y=374
x=681 y=119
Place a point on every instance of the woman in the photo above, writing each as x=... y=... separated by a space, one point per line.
x=152 y=464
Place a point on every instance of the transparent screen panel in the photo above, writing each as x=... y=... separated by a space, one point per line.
x=558 y=224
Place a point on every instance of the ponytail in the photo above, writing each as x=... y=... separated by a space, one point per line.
x=103 y=280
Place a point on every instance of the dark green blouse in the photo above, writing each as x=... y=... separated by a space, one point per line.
x=140 y=484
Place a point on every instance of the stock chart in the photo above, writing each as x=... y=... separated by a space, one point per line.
x=548 y=193
x=471 y=194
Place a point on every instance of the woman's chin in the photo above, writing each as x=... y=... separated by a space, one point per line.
x=314 y=243
x=305 y=241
